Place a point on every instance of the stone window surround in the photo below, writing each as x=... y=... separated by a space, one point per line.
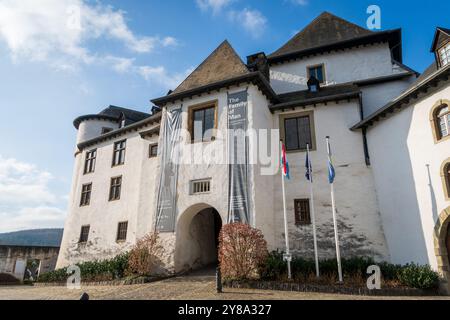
x=434 y=121
x=203 y=105
x=443 y=263
x=310 y=113
x=445 y=167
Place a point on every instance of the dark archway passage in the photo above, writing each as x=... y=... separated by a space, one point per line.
x=197 y=238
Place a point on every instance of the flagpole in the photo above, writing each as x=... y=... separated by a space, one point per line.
x=313 y=214
x=286 y=234
x=333 y=206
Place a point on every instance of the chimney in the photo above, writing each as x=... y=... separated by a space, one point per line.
x=258 y=62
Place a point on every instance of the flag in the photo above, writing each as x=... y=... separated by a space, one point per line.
x=331 y=171
x=308 y=166
x=284 y=162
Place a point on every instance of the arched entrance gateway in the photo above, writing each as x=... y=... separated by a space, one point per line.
x=197 y=238
x=442 y=243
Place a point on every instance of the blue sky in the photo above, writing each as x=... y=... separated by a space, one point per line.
x=55 y=67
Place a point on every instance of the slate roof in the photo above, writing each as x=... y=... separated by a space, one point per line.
x=328 y=32
x=222 y=64
x=114 y=113
x=427 y=82
x=325 y=94
x=222 y=68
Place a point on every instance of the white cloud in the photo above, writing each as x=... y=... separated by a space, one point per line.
x=299 y=2
x=25 y=197
x=32 y=218
x=160 y=75
x=58 y=31
x=214 y=5
x=253 y=21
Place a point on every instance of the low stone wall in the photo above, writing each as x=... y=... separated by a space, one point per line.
x=336 y=289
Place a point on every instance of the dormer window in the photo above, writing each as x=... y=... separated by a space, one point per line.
x=317 y=71
x=444 y=54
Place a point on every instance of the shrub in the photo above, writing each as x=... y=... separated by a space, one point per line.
x=146 y=255
x=411 y=275
x=104 y=270
x=242 y=249
x=420 y=277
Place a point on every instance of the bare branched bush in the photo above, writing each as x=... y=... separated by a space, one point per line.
x=146 y=255
x=242 y=250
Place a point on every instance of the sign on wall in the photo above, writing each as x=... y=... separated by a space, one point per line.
x=238 y=202
x=166 y=211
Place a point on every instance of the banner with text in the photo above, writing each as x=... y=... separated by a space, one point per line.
x=238 y=202
x=169 y=153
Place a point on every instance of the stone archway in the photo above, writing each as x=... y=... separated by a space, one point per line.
x=442 y=248
x=197 y=235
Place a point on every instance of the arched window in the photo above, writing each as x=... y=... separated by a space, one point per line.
x=440 y=118
x=443 y=120
x=445 y=173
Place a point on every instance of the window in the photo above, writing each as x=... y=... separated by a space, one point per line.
x=443 y=120
x=153 y=150
x=84 y=234
x=200 y=186
x=445 y=173
x=119 y=153
x=202 y=121
x=122 y=231
x=116 y=186
x=89 y=163
x=297 y=131
x=317 y=72
x=444 y=54
x=105 y=130
x=86 y=195
x=302 y=212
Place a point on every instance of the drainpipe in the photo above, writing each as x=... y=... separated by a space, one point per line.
x=364 y=131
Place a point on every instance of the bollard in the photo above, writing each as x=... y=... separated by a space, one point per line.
x=218 y=280
x=84 y=297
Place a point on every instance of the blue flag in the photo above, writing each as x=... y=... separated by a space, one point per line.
x=331 y=171
x=308 y=166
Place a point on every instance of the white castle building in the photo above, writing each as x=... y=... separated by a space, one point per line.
x=390 y=135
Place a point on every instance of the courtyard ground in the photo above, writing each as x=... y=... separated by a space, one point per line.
x=196 y=286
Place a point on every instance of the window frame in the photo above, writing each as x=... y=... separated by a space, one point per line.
x=90 y=160
x=198 y=107
x=150 y=147
x=85 y=198
x=119 y=231
x=113 y=186
x=446 y=48
x=445 y=175
x=435 y=120
x=315 y=66
x=81 y=239
x=298 y=215
x=121 y=161
x=285 y=116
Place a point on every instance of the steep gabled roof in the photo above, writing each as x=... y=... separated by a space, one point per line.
x=325 y=29
x=222 y=68
x=441 y=35
x=222 y=64
x=328 y=32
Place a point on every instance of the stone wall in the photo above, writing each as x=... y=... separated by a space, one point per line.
x=13 y=259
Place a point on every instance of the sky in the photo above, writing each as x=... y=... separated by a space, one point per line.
x=65 y=58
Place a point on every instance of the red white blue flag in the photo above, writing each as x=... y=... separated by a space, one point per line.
x=284 y=162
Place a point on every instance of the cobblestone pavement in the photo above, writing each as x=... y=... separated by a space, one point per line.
x=191 y=287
